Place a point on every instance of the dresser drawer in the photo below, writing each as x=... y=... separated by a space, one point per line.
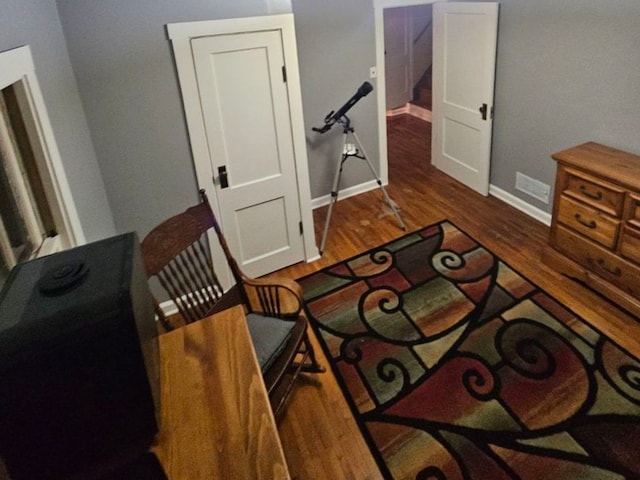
x=597 y=193
x=598 y=226
x=630 y=244
x=600 y=261
x=634 y=210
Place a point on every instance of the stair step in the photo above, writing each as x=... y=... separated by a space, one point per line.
x=425 y=82
x=423 y=98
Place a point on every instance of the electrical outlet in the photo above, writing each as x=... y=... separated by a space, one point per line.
x=373 y=72
x=533 y=187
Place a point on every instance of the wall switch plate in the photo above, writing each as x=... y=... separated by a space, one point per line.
x=373 y=72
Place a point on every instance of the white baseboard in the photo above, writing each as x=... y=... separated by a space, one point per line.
x=497 y=192
x=169 y=307
x=346 y=193
x=398 y=111
x=420 y=112
x=521 y=205
x=413 y=110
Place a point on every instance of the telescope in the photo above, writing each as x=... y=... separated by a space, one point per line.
x=332 y=117
x=350 y=150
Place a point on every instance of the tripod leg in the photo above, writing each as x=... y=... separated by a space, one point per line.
x=334 y=197
x=379 y=182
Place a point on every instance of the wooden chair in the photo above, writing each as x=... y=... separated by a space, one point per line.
x=176 y=252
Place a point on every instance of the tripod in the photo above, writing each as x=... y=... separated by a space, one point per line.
x=350 y=150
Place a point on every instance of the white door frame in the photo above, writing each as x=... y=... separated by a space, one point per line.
x=181 y=35
x=381 y=92
x=17 y=66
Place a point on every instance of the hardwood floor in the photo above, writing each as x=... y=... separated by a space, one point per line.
x=320 y=438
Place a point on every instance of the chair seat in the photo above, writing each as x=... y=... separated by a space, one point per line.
x=269 y=336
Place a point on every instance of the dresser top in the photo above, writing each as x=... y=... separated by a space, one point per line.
x=606 y=162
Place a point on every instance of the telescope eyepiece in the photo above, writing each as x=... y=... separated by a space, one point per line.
x=328 y=117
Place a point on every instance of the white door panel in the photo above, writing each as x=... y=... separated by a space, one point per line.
x=269 y=217
x=246 y=115
x=464 y=72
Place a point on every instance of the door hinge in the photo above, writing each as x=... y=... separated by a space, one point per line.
x=301 y=227
x=284 y=74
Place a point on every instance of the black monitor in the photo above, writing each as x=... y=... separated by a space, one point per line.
x=79 y=365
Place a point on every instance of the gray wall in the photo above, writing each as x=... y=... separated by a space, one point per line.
x=336 y=47
x=124 y=65
x=567 y=72
x=36 y=23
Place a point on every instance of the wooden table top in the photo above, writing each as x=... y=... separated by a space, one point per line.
x=216 y=421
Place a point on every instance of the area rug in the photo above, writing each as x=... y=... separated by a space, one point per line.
x=455 y=366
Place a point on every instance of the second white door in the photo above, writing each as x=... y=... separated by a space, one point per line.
x=243 y=94
x=464 y=53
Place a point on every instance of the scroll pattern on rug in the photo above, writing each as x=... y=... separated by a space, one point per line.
x=455 y=366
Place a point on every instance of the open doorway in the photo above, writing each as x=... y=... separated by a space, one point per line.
x=408 y=48
x=408 y=44
x=404 y=47
x=464 y=54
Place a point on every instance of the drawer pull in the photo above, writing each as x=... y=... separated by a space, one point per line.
x=589 y=224
x=613 y=271
x=587 y=193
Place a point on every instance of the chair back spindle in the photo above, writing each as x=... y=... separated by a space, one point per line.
x=177 y=254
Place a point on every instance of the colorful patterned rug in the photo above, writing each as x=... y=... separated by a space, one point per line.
x=457 y=367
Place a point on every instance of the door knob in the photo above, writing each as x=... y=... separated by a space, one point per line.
x=483 y=111
x=223 y=176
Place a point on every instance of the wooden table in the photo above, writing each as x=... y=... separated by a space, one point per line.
x=216 y=421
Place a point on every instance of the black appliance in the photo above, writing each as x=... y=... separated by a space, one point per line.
x=79 y=365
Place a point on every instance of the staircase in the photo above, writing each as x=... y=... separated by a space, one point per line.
x=422 y=91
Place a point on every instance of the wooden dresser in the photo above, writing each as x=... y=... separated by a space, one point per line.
x=595 y=229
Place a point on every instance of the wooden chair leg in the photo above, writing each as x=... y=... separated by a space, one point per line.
x=280 y=395
x=312 y=366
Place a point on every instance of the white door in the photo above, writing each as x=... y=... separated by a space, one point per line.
x=397 y=44
x=243 y=95
x=464 y=50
